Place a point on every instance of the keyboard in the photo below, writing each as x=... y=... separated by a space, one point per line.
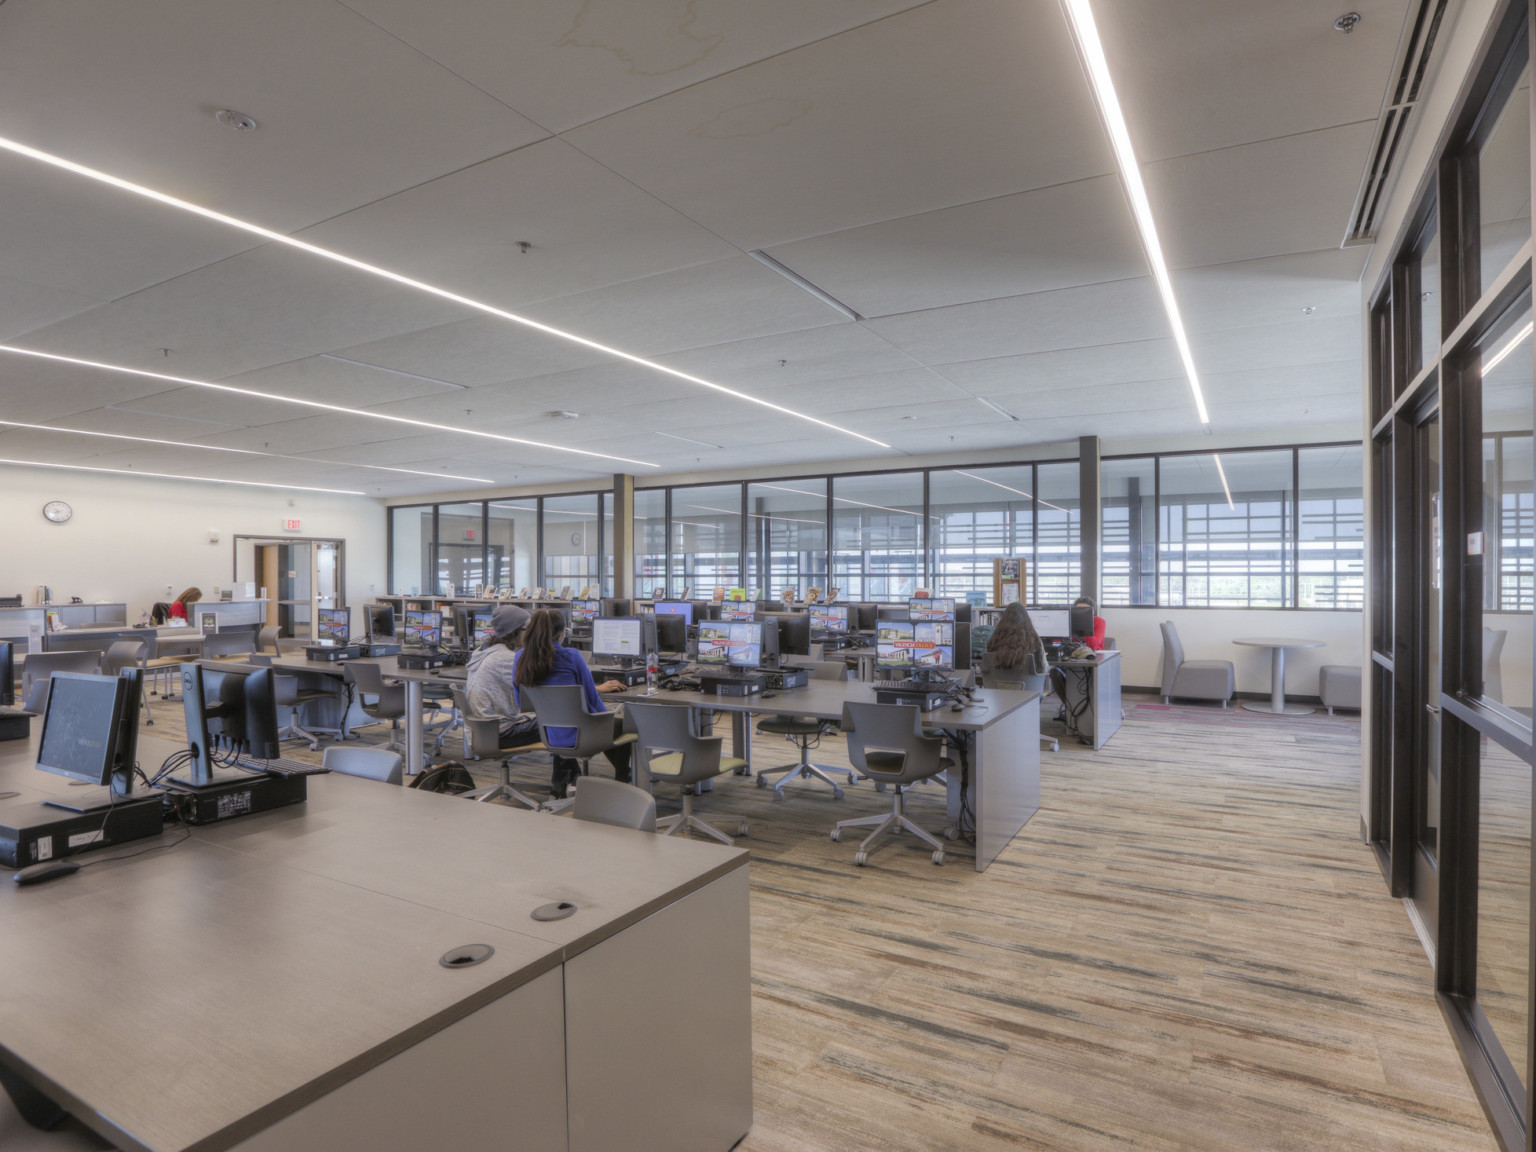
x=281 y=766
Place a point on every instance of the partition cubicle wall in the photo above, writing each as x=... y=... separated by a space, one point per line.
x=18 y=623
x=1451 y=395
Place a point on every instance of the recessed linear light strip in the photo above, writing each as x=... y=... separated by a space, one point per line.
x=1005 y=488
x=238 y=451
x=420 y=285
x=176 y=476
x=1222 y=472
x=1086 y=32
x=845 y=500
x=752 y=515
x=1503 y=353
x=315 y=404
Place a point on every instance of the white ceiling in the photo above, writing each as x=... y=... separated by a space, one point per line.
x=938 y=166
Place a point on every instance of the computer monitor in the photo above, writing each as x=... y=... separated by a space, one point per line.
x=625 y=637
x=1051 y=623
x=90 y=734
x=422 y=629
x=585 y=611
x=794 y=633
x=7 y=674
x=381 y=622
x=481 y=629
x=736 y=643
x=334 y=625
x=869 y=617
x=616 y=606
x=675 y=608
x=738 y=610
x=928 y=608
x=229 y=712
x=829 y=618
x=912 y=645
x=1080 y=617
x=671 y=632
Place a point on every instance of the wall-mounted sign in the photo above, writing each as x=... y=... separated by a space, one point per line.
x=290 y=525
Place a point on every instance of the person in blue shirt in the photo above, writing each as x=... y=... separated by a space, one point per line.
x=542 y=660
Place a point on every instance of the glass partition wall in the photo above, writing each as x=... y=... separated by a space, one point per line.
x=1450 y=597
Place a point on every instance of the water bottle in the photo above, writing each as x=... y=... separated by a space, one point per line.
x=652 y=667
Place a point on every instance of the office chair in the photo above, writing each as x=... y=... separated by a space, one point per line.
x=370 y=763
x=266 y=640
x=41 y=666
x=1493 y=672
x=605 y=801
x=886 y=743
x=805 y=732
x=221 y=644
x=1013 y=681
x=290 y=693
x=129 y=654
x=562 y=706
x=670 y=751
x=389 y=699
x=160 y=667
x=482 y=739
x=1198 y=679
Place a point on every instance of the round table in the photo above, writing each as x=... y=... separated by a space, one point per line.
x=1278 y=645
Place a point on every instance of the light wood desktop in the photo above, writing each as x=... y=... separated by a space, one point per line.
x=273 y=982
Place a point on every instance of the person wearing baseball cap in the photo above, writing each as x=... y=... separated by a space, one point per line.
x=488 y=687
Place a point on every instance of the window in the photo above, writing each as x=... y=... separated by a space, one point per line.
x=1504 y=183
x=650 y=544
x=1331 y=563
x=512 y=535
x=410 y=556
x=877 y=535
x=706 y=538
x=1058 y=535
x=1128 y=557
x=460 y=549
x=1224 y=530
x=570 y=542
x=1509 y=514
x=978 y=515
x=787 y=536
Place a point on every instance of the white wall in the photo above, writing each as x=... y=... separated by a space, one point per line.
x=1207 y=634
x=130 y=537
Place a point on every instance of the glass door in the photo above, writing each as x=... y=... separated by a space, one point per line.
x=1429 y=560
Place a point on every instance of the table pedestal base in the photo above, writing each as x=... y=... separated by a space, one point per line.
x=1284 y=709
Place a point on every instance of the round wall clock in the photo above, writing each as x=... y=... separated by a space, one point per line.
x=57 y=511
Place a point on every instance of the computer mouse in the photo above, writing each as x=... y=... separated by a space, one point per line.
x=47 y=870
x=769 y=695
x=957 y=707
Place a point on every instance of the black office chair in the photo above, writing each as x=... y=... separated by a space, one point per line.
x=805 y=732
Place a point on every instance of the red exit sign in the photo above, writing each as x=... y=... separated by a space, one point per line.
x=290 y=525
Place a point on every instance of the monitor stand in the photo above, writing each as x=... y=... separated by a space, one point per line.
x=96 y=798
x=221 y=778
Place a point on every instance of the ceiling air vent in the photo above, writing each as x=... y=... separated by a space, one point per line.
x=1410 y=77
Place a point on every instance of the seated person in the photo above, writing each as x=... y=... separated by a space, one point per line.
x=488 y=684
x=179 y=609
x=543 y=661
x=1015 y=651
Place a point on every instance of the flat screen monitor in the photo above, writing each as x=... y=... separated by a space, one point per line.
x=82 y=726
x=7 y=673
x=422 y=629
x=675 y=608
x=736 y=643
x=794 y=633
x=671 y=632
x=228 y=712
x=829 y=618
x=624 y=636
x=869 y=617
x=915 y=644
x=334 y=624
x=481 y=629
x=381 y=622
x=927 y=608
x=738 y=610
x=1051 y=622
x=615 y=606
x=585 y=611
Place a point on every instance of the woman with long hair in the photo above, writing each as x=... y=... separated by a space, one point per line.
x=542 y=661
x=1015 y=647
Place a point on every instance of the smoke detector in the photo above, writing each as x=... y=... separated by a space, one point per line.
x=1346 y=23
x=562 y=414
x=239 y=121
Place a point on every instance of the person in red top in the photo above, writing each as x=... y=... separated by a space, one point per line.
x=179 y=605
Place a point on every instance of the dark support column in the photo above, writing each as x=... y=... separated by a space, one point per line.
x=1088 y=494
x=623 y=535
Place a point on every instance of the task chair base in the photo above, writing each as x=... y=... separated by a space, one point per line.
x=682 y=821
x=506 y=792
x=803 y=770
x=894 y=821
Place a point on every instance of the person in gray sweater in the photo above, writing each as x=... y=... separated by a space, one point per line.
x=489 y=688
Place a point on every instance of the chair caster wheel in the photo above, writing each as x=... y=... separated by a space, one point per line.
x=938 y=857
x=837 y=835
x=777 y=796
x=860 y=859
x=951 y=833
x=761 y=782
x=853 y=778
x=742 y=829
x=837 y=793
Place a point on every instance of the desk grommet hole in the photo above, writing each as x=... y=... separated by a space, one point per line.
x=466 y=955
x=556 y=911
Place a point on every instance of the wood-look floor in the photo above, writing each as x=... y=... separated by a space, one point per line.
x=1187 y=948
